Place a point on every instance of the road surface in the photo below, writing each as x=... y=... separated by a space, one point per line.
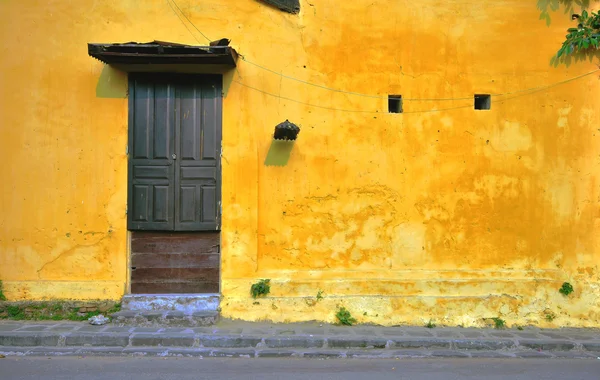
x=138 y=368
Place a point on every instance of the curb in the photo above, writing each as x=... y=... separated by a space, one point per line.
x=313 y=354
x=188 y=342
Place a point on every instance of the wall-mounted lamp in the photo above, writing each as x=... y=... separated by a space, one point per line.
x=283 y=141
x=286 y=131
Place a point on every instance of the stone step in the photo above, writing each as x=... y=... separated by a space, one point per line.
x=144 y=318
x=185 y=303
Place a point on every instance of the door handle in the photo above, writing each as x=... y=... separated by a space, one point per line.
x=174 y=156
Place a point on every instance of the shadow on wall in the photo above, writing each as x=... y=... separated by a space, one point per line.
x=569 y=6
x=112 y=84
x=567 y=60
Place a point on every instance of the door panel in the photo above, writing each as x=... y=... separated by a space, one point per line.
x=175 y=142
x=198 y=167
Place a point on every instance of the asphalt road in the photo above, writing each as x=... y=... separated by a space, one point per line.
x=132 y=368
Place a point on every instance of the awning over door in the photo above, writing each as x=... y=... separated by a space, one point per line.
x=159 y=56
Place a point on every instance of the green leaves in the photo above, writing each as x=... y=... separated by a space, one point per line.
x=585 y=36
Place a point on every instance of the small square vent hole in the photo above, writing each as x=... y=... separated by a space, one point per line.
x=395 y=103
x=483 y=101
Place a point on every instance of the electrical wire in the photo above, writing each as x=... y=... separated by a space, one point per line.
x=523 y=91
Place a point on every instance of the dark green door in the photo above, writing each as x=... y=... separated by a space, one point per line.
x=174 y=153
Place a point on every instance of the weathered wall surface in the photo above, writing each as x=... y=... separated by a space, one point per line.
x=440 y=213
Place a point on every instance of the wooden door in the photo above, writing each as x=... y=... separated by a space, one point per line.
x=174 y=153
x=174 y=184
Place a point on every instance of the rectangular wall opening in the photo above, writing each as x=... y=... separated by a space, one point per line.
x=395 y=103
x=483 y=101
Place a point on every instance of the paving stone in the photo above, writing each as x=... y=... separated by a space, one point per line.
x=177 y=330
x=490 y=354
x=343 y=331
x=227 y=331
x=528 y=336
x=286 y=332
x=356 y=342
x=313 y=331
x=447 y=334
x=100 y=351
x=391 y=331
x=553 y=335
x=203 y=330
x=502 y=334
x=14 y=350
x=8 y=327
x=418 y=333
x=152 y=316
x=480 y=344
x=150 y=351
x=369 y=331
x=107 y=339
x=294 y=342
x=472 y=334
x=236 y=353
x=147 y=329
x=449 y=354
x=53 y=351
x=229 y=341
x=164 y=340
x=26 y=339
x=323 y=354
x=368 y=354
x=91 y=328
x=125 y=314
x=34 y=328
x=591 y=346
x=421 y=343
x=274 y=354
x=175 y=315
x=572 y=354
x=195 y=352
x=581 y=337
x=531 y=354
x=410 y=354
x=118 y=329
x=564 y=345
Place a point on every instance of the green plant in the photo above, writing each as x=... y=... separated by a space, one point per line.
x=520 y=328
x=344 y=317
x=430 y=324
x=585 y=36
x=566 y=289
x=499 y=323
x=550 y=316
x=2 y=296
x=320 y=295
x=261 y=288
x=15 y=312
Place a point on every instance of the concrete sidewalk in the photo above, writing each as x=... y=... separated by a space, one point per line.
x=244 y=339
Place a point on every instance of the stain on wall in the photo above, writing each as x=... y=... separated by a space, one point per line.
x=440 y=212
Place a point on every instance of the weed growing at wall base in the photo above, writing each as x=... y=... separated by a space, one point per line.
x=499 y=323
x=261 y=288
x=344 y=317
x=2 y=297
x=566 y=289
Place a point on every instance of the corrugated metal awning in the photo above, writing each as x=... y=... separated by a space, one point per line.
x=158 y=56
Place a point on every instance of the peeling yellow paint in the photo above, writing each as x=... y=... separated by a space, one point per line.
x=441 y=213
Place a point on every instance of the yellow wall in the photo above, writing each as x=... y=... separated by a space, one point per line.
x=453 y=215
